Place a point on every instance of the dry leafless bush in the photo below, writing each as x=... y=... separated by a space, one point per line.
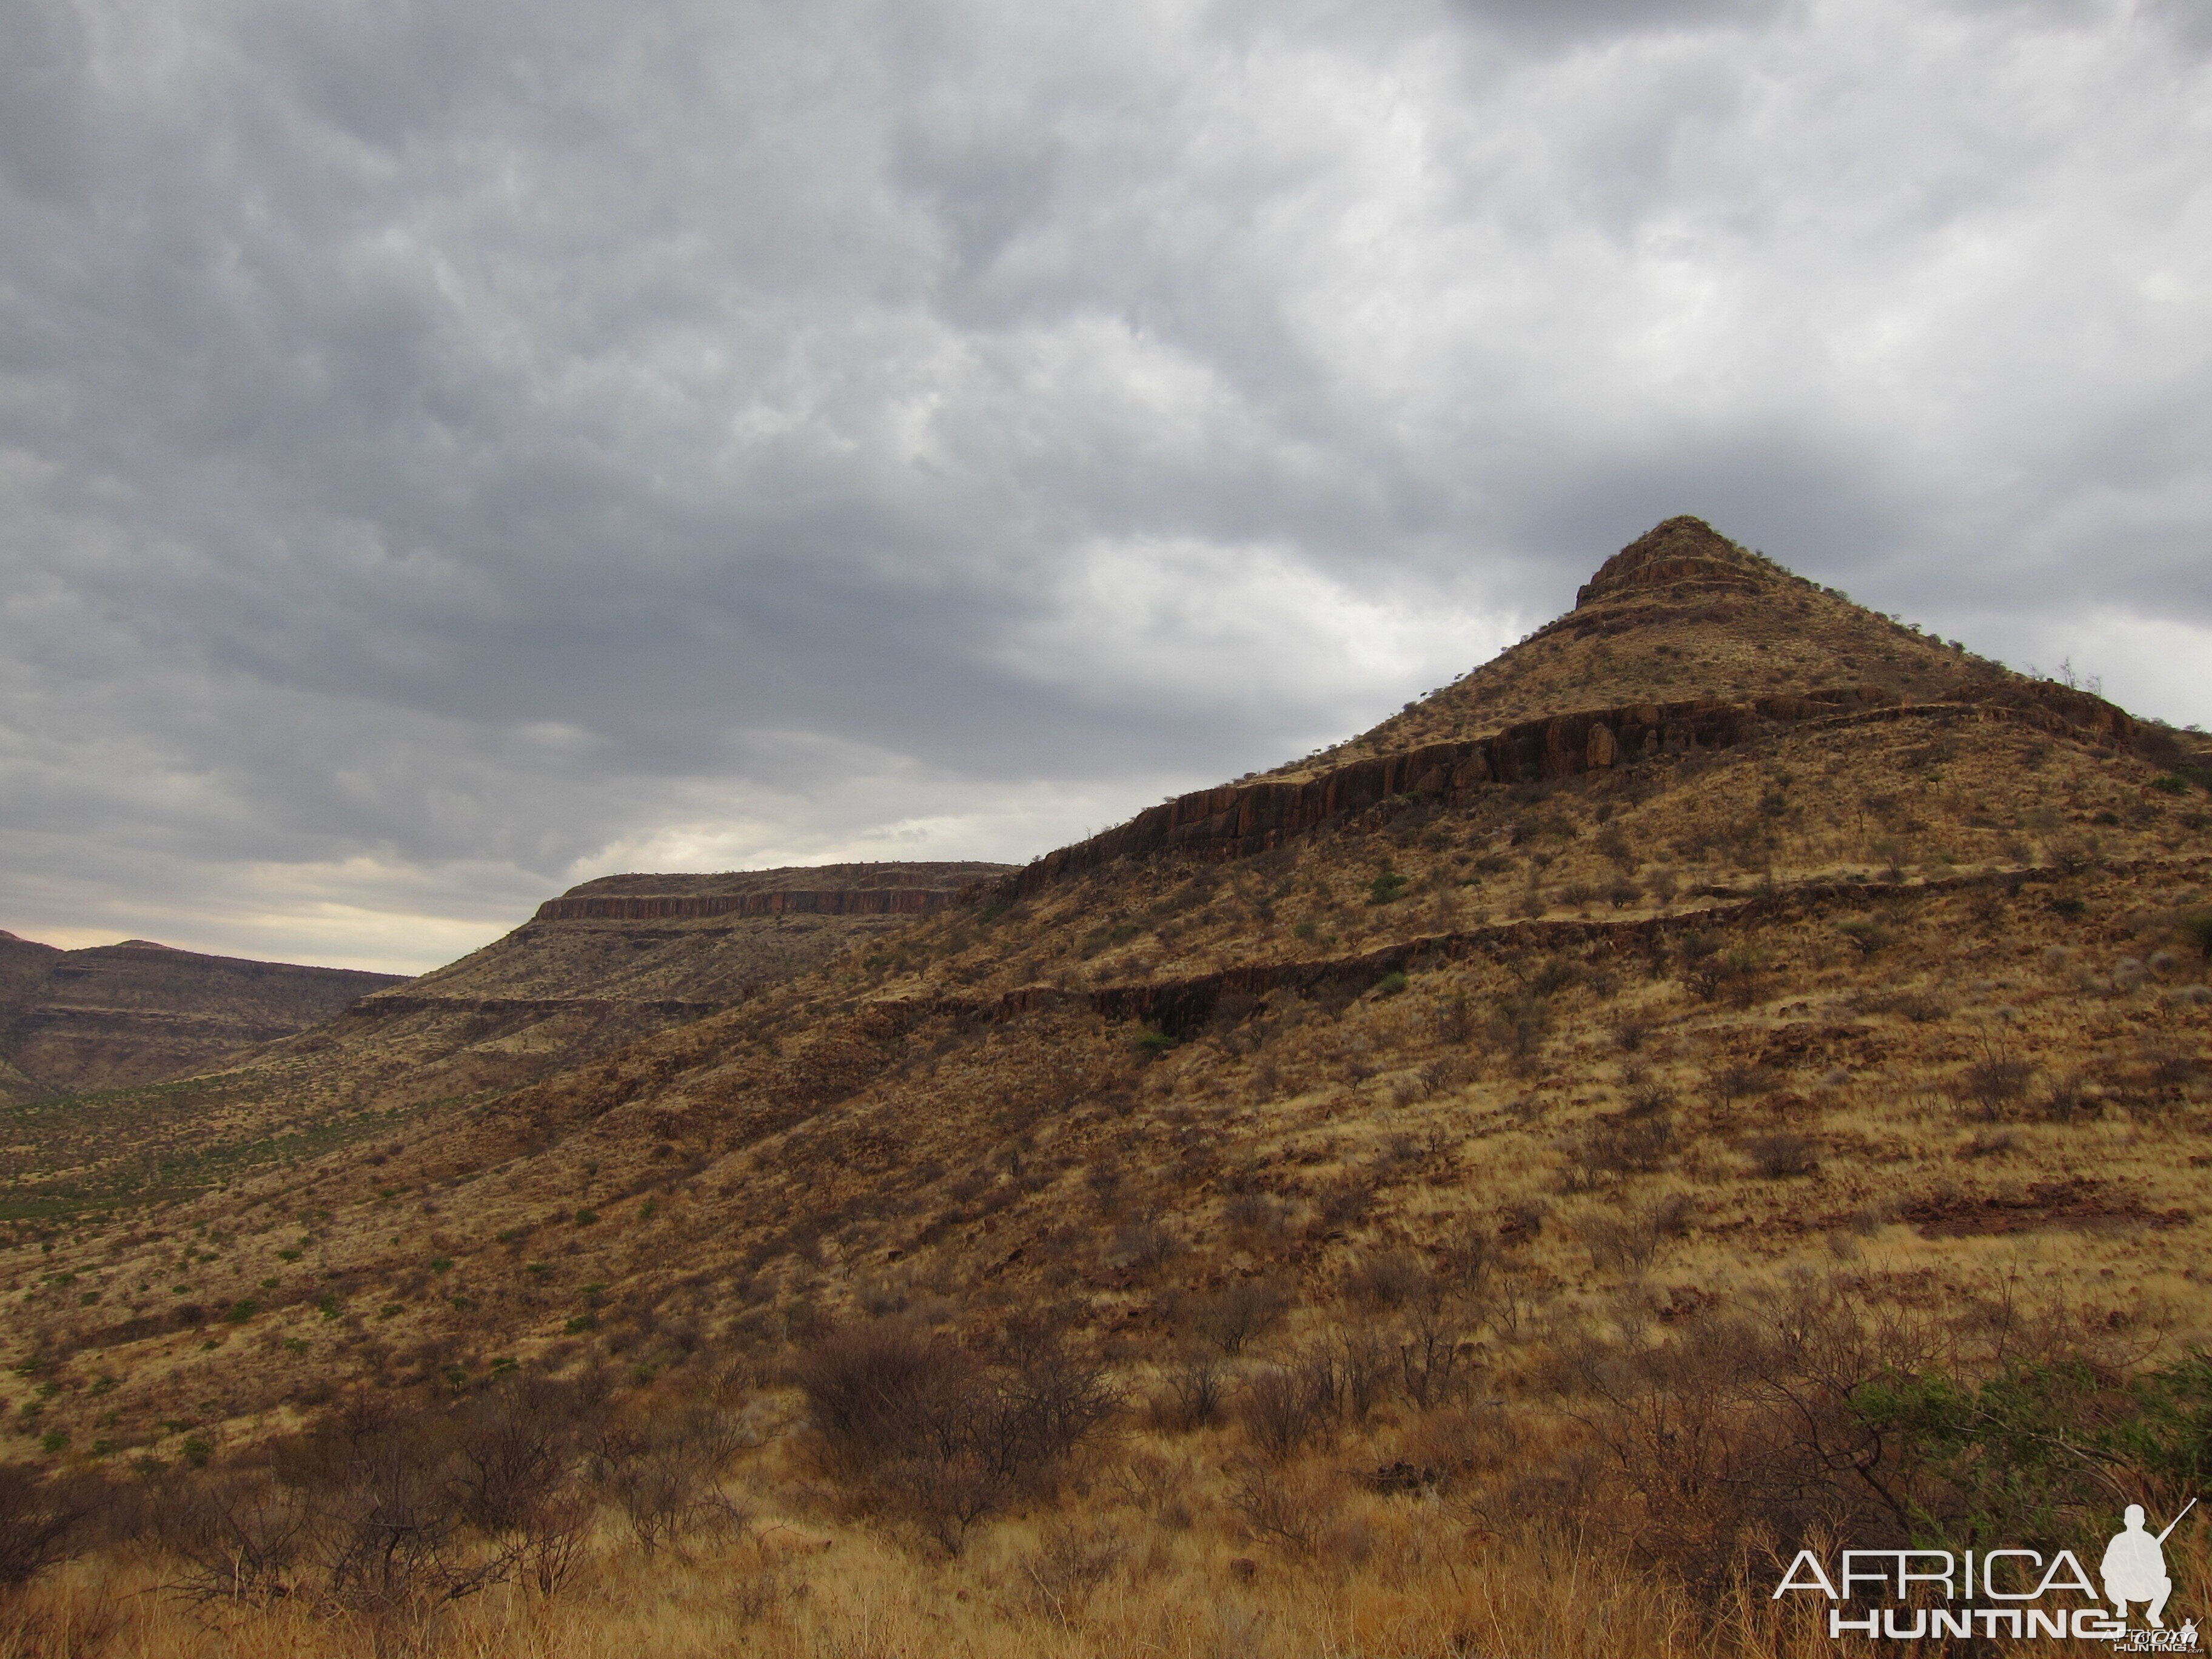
x=1234 y=1315
x=1382 y=1279
x=1996 y=1083
x=1284 y=1406
x=239 y=1537
x=1518 y=1026
x=665 y=1475
x=1627 y=1243
x=1191 y=1394
x=43 y=1520
x=1782 y=1156
x=910 y=1422
x=1629 y=1143
x=1287 y=1508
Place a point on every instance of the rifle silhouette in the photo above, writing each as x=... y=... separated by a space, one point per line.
x=2176 y=1522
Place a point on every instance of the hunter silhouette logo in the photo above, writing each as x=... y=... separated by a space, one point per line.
x=1918 y=1594
x=2134 y=1565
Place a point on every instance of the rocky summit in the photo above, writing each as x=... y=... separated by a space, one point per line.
x=1583 y=1138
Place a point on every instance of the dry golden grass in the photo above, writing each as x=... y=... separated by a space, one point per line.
x=1402 y=1585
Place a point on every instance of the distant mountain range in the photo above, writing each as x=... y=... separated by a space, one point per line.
x=116 y=1015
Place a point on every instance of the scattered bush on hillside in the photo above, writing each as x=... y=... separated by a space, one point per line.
x=1628 y=1242
x=1839 y=1408
x=1995 y=1082
x=911 y=1425
x=664 y=1474
x=1628 y=1143
x=395 y=1515
x=1782 y=1157
x=1731 y=975
x=1867 y=933
x=1234 y=1315
x=1194 y=1392
x=1519 y=1025
x=43 y=1520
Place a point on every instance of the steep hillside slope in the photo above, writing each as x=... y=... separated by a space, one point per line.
x=1550 y=1018
x=605 y=964
x=116 y=1015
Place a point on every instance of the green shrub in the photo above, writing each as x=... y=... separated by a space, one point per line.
x=1390 y=984
x=586 y=1217
x=1386 y=888
x=1865 y=932
x=2197 y=925
x=241 y=1310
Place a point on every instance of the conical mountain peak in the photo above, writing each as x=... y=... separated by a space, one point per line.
x=1678 y=552
x=1681 y=614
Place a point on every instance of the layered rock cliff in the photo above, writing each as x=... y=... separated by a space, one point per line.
x=1234 y=820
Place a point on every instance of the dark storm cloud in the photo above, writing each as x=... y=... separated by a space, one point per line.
x=446 y=451
x=1583 y=21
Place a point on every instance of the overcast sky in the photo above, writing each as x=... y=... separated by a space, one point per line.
x=450 y=450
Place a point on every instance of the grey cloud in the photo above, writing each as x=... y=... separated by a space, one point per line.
x=470 y=444
x=1581 y=21
x=44 y=55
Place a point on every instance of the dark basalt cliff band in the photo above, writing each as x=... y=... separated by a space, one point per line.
x=665 y=907
x=1236 y=820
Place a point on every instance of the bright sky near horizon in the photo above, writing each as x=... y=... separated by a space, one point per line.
x=450 y=451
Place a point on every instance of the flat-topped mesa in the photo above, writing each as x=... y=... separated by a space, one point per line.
x=827 y=889
x=1681 y=552
x=677 y=943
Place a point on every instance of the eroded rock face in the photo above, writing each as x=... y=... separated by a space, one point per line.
x=880 y=899
x=1237 y=820
x=1681 y=551
x=668 y=906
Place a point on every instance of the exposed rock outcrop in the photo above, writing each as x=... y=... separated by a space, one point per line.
x=1234 y=820
x=1680 y=553
x=672 y=907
